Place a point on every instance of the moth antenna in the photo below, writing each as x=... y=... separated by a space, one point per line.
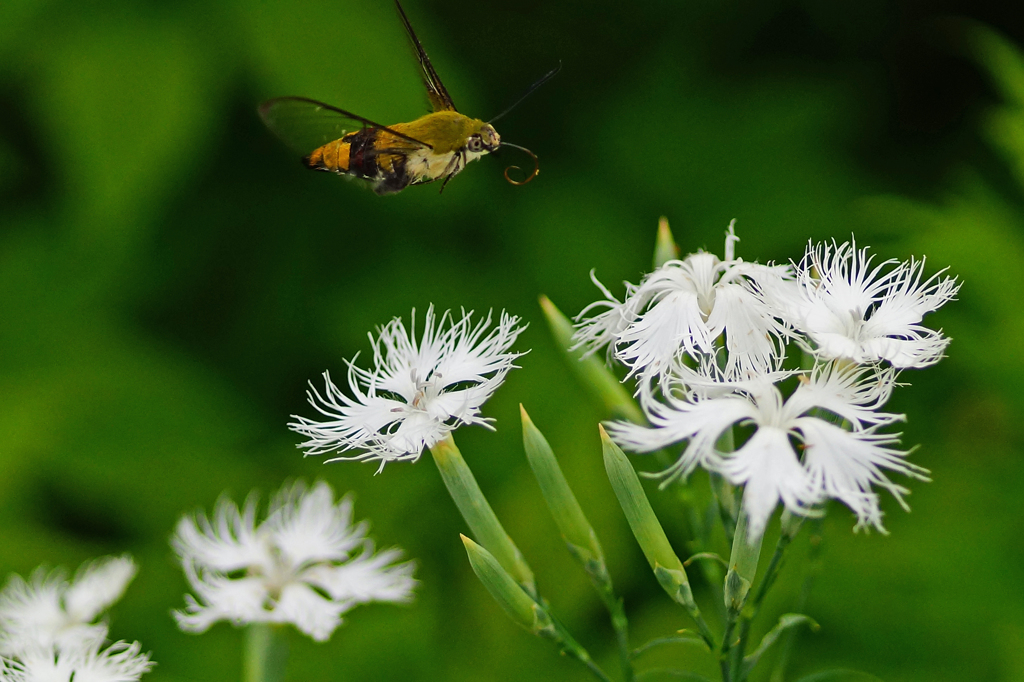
x=543 y=79
x=536 y=165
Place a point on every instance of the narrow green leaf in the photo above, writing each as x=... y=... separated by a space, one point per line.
x=590 y=370
x=786 y=621
x=528 y=612
x=687 y=638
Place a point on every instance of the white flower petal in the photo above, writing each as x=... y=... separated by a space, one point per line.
x=701 y=423
x=49 y=613
x=754 y=338
x=237 y=600
x=855 y=393
x=418 y=391
x=306 y=526
x=672 y=325
x=227 y=543
x=308 y=611
x=120 y=662
x=368 y=577
x=684 y=308
x=769 y=470
x=31 y=612
x=845 y=465
x=98 y=585
x=853 y=310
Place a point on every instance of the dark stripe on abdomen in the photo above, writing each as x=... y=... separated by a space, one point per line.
x=362 y=158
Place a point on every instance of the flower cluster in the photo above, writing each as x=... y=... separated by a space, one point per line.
x=418 y=391
x=706 y=339
x=49 y=631
x=305 y=564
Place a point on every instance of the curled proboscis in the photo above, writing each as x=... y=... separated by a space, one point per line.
x=536 y=165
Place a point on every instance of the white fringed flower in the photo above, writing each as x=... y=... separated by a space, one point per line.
x=50 y=612
x=120 y=662
x=836 y=463
x=853 y=310
x=306 y=564
x=686 y=307
x=417 y=392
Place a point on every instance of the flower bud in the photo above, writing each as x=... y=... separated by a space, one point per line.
x=510 y=596
x=477 y=512
x=644 y=524
x=665 y=248
x=742 y=565
x=568 y=514
x=590 y=370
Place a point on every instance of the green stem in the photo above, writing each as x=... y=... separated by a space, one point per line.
x=621 y=627
x=771 y=573
x=725 y=654
x=592 y=667
x=266 y=653
x=700 y=532
x=813 y=569
x=743 y=560
x=724 y=492
x=573 y=649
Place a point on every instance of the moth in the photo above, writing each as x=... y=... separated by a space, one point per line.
x=436 y=146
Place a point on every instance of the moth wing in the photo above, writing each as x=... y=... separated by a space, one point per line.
x=436 y=92
x=390 y=156
x=306 y=124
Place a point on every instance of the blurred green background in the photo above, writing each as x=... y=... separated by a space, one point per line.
x=170 y=279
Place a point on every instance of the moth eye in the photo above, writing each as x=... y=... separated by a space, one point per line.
x=475 y=144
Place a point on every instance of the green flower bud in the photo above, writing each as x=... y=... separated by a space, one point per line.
x=477 y=512
x=510 y=596
x=568 y=514
x=591 y=370
x=647 y=530
x=642 y=521
x=665 y=248
x=742 y=565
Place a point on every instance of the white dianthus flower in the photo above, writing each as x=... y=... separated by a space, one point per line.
x=120 y=662
x=851 y=309
x=796 y=453
x=418 y=391
x=50 y=612
x=686 y=307
x=306 y=564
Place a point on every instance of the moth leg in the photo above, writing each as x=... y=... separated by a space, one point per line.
x=454 y=167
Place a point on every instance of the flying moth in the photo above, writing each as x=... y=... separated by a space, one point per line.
x=436 y=146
